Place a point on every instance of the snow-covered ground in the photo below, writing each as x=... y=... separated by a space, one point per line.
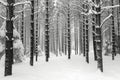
x=60 y=68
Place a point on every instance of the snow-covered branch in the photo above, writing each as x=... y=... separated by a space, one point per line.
x=2 y=17
x=105 y=20
x=3 y=3
x=14 y=18
x=22 y=3
x=94 y=32
x=109 y=7
x=105 y=30
x=91 y=3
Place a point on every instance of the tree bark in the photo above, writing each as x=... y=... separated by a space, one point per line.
x=99 y=38
x=37 y=32
x=9 y=39
x=113 y=33
x=69 y=33
x=93 y=29
x=32 y=34
x=47 y=31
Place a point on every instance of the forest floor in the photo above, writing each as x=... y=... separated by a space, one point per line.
x=60 y=68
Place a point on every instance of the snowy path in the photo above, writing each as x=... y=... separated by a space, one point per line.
x=60 y=68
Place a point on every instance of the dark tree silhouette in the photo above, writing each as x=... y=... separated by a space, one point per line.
x=9 y=39
x=87 y=38
x=37 y=32
x=99 y=38
x=93 y=29
x=84 y=33
x=32 y=34
x=113 y=33
x=69 y=33
x=47 y=31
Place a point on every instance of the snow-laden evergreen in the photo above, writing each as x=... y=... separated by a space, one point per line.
x=17 y=43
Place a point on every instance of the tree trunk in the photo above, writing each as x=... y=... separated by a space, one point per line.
x=32 y=34
x=87 y=40
x=93 y=29
x=37 y=32
x=9 y=39
x=47 y=31
x=69 y=33
x=99 y=38
x=113 y=34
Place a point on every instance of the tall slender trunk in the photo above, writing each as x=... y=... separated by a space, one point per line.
x=69 y=33
x=65 y=39
x=80 y=37
x=37 y=32
x=9 y=39
x=118 y=22
x=87 y=40
x=75 y=36
x=83 y=33
x=113 y=33
x=99 y=38
x=22 y=26
x=32 y=34
x=93 y=29
x=47 y=31
x=57 y=35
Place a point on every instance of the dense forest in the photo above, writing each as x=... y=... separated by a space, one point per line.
x=35 y=28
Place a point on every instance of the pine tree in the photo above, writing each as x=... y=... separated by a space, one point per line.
x=9 y=40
